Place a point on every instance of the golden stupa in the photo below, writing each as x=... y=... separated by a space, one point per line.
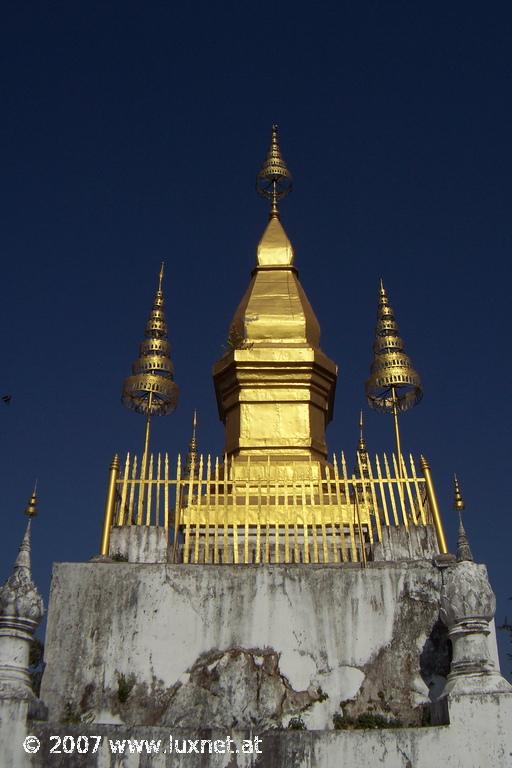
x=275 y=387
x=274 y=495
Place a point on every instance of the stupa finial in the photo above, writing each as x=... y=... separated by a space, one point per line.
x=151 y=389
x=362 y=442
x=458 y=501
x=463 y=548
x=21 y=610
x=361 y=468
x=274 y=181
x=23 y=556
x=19 y=596
x=31 y=508
x=393 y=385
x=192 y=449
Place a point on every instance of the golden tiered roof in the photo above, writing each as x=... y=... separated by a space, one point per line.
x=151 y=388
x=393 y=385
x=393 y=382
x=275 y=311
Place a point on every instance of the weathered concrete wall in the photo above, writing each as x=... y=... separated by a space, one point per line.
x=413 y=543
x=139 y=544
x=249 y=646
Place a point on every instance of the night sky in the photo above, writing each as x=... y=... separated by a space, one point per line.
x=131 y=133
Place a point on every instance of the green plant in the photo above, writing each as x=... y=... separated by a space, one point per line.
x=118 y=557
x=72 y=715
x=124 y=686
x=297 y=724
x=236 y=340
x=364 y=721
x=369 y=720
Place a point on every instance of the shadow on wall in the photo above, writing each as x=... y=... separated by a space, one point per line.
x=435 y=659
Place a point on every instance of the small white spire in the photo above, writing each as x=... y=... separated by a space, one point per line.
x=23 y=558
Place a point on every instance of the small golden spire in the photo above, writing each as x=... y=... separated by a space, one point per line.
x=192 y=448
x=362 y=442
x=151 y=389
x=458 y=501
x=31 y=508
x=362 y=452
x=393 y=384
x=391 y=368
x=463 y=548
x=274 y=181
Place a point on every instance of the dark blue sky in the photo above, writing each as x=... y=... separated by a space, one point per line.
x=132 y=132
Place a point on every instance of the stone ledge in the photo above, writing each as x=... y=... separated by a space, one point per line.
x=452 y=747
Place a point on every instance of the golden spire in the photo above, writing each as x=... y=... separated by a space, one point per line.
x=151 y=389
x=192 y=448
x=23 y=558
x=274 y=181
x=362 y=442
x=393 y=385
x=362 y=452
x=275 y=387
x=31 y=508
x=458 y=501
x=463 y=548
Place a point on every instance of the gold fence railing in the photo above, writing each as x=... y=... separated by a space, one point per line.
x=219 y=513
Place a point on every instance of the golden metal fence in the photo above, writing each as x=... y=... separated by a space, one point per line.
x=224 y=515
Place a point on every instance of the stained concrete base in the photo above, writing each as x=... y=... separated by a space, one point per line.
x=139 y=544
x=237 y=646
x=141 y=651
x=242 y=646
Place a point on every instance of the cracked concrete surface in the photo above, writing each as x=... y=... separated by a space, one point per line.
x=203 y=651
x=292 y=630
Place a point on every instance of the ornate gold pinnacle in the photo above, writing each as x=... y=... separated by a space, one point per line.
x=362 y=452
x=274 y=181
x=31 y=508
x=192 y=449
x=362 y=442
x=393 y=385
x=458 y=501
x=151 y=389
x=393 y=381
x=463 y=547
